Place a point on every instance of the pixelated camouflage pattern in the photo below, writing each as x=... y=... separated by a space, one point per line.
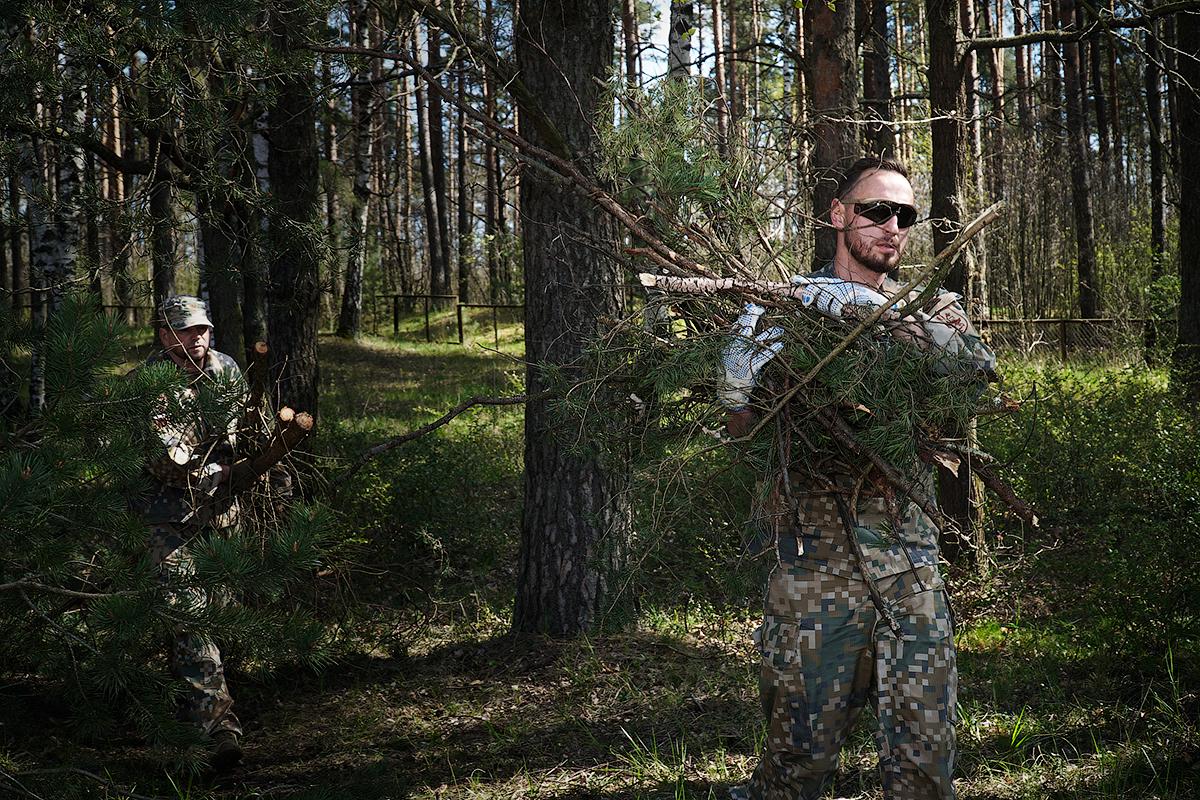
x=807 y=531
x=195 y=659
x=825 y=654
x=184 y=311
x=180 y=473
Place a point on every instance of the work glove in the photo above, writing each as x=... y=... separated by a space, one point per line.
x=745 y=356
x=833 y=297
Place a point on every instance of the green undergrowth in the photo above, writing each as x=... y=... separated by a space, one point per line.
x=1077 y=655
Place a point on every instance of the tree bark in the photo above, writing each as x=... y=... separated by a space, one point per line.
x=293 y=231
x=18 y=246
x=465 y=199
x=877 y=79
x=629 y=30
x=722 y=101
x=1186 y=358
x=220 y=273
x=430 y=199
x=576 y=519
x=350 y=318
x=1158 y=236
x=679 y=39
x=832 y=79
x=1024 y=115
x=1081 y=190
x=437 y=157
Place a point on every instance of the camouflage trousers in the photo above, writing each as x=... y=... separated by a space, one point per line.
x=195 y=659
x=826 y=652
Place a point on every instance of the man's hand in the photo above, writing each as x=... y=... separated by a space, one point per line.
x=745 y=356
x=740 y=423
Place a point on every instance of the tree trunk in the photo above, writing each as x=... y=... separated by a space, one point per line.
x=350 y=319
x=1024 y=115
x=722 y=101
x=220 y=273
x=1158 y=237
x=256 y=228
x=294 y=290
x=877 y=79
x=679 y=39
x=576 y=518
x=1081 y=191
x=629 y=29
x=429 y=197
x=465 y=197
x=437 y=157
x=329 y=180
x=832 y=80
x=958 y=495
x=18 y=246
x=1186 y=362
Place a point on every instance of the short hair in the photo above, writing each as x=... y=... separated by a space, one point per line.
x=854 y=173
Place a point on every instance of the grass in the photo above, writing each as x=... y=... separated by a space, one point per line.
x=432 y=700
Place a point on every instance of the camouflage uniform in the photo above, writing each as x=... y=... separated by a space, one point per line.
x=180 y=478
x=849 y=621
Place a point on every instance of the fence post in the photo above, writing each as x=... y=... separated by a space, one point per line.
x=428 y=338
x=1062 y=338
x=458 y=313
x=395 y=315
x=495 y=328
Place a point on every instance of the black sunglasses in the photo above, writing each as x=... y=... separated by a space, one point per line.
x=880 y=211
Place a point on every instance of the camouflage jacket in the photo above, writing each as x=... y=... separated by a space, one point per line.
x=197 y=438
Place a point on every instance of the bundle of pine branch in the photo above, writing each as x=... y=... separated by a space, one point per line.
x=850 y=393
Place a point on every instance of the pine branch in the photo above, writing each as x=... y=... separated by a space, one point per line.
x=42 y=587
x=843 y=434
x=943 y=258
x=1106 y=22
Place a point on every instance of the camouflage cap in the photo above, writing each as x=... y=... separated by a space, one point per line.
x=184 y=311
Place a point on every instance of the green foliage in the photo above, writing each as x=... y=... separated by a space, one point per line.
x=83 y=604
x=1110 y=456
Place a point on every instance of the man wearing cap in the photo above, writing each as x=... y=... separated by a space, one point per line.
x=194 y=461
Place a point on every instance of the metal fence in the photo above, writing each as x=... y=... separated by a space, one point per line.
x=1064 y=338
x=1069 y=338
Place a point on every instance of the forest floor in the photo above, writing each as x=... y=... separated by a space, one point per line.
x=430 y=698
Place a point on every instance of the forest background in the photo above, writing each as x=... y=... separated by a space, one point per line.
x=494 y=174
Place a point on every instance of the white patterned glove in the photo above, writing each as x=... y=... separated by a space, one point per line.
x=745 y=356
x=832 y=296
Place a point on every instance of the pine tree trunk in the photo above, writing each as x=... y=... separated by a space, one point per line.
x=877 y=78
x=294 y=269
x=220 y=272
x=832 y=80
x=679 y=39
x=1081 y=191
x=722 y=101
x=465 y=198
x=576 y=518
x=435 y=124
x=329 y=181
x=18 y=246
x=256 y=228
x=1158 y=237
x=1024 y=115
x=957 y=495
x=429 y=196
x=350 y=319
x=1186 y=361
x=629 y=29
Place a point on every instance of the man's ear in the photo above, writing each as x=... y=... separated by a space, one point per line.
x=837 y=214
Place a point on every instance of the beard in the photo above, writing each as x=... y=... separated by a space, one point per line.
x=860 y=246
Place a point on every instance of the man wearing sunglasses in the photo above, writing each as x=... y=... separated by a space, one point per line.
x=856 y=609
